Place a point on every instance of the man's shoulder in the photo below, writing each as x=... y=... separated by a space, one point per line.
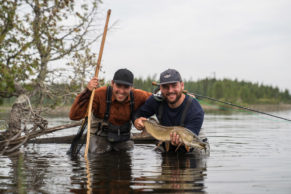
x=194 y=104
x=141 y=93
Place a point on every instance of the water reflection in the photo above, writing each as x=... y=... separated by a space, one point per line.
x=179 y=173
x=113 y=173
x=106 y=173
x=26 y=173
x=248 y=155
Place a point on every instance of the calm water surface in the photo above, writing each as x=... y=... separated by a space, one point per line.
x=249 y=154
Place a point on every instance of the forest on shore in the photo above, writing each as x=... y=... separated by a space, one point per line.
x=234 y=91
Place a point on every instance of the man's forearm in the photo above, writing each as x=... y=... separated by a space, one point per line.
x=79 y=107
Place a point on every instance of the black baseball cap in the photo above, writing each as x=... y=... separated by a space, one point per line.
x=123 y=76
x=170 y=76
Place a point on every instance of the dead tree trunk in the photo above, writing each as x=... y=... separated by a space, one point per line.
x=17 y=111
x=22 y=115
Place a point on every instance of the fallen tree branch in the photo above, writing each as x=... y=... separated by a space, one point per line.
x=15 y=142
x=37 y=133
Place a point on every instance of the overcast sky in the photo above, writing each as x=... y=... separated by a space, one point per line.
x=244 y=39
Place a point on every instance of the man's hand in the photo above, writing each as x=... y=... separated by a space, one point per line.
x=139 y=124
x=93 y=83
x=175 y=139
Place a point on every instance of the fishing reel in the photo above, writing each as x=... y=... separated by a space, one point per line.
x=157 y=92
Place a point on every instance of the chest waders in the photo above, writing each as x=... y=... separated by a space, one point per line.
x=114 y=133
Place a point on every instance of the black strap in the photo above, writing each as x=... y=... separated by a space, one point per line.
x=184 y=114
x=131 y=104
x=160 y=111
x=108 y=103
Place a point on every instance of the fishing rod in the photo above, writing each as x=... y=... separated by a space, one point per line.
x=96 y=75
x=230 y=104
x=238 y=106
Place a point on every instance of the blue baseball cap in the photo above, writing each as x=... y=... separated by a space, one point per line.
x=170 y=76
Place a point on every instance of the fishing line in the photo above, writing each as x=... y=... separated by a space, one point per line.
x=246 y=111
x=227 y=103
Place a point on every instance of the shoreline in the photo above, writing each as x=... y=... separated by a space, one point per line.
x=64 y=110
x=258 y=107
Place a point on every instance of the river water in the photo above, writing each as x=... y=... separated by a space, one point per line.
x=249 y=154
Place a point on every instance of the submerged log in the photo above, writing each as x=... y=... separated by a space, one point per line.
x=37 y=133
x=12 y=144
x=32 y=137
x=138 y=138
x=59 y=140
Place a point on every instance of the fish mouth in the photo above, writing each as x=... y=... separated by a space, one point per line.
x=200 y=146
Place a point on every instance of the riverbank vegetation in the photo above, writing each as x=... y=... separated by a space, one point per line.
x=42 y=45
x=229 y=90
x=241 y=92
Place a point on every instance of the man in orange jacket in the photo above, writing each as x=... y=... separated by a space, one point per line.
x=113 y=109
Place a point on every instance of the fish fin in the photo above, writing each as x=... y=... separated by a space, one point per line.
x=160 y=143
x=178 y=147
x=203 y=146
x=187 y=148
x=143 y=133
x=167 y=144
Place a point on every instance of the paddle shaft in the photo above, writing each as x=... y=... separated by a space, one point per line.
x=231 y=104
x=96 y=75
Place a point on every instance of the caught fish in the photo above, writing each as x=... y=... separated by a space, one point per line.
x=162 y=133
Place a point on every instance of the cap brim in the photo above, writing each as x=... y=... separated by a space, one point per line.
x=169 y=82
x=122 y=82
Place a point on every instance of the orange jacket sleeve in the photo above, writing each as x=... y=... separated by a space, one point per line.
x=80 y=105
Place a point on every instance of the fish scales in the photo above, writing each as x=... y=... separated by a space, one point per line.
x=162 y=133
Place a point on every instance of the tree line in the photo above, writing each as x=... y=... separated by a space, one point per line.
x=222 y=89
x=228 y=90
x=235 y=91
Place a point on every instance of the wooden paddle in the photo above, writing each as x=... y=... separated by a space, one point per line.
x=96 y=75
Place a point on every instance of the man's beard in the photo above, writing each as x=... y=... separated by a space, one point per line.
x=179 y=95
